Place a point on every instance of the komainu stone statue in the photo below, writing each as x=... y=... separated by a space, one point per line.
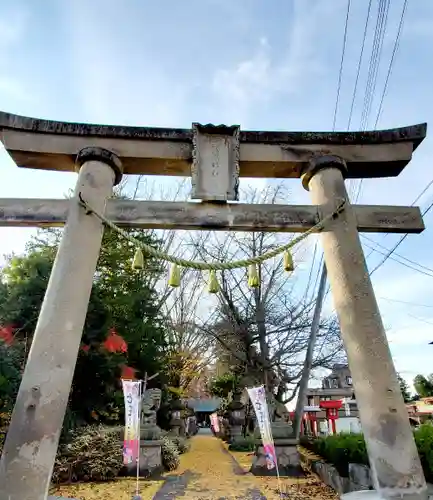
x=151 y=401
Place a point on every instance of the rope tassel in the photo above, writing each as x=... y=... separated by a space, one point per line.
x=253 y=276
x=288 y=262
x=174 y=277
x=138 y=260
x=213 y=286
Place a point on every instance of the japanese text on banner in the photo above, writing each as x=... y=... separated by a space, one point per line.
x=215 y=422
x=131 y=443
x=258 y=399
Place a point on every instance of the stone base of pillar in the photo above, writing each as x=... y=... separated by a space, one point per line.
x=362 y=495
x=289 y=464
x=60 y=498
x=150 y=460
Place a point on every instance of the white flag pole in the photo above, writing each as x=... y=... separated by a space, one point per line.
x=137 y=487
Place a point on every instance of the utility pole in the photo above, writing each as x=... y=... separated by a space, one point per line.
x=299 y=411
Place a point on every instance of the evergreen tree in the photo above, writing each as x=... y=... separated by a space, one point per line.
x=404 y=387
x=123 y=329
x=423 y=386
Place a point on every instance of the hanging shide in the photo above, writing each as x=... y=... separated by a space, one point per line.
x=174 y=277
x=213 y=285
x=138 y=260
x=253 y=276
x=288 y=262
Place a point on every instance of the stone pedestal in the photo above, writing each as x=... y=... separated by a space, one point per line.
x=362 y=495
x=61 y=498
x=236 y=414
x=236 y=434
x=288 y=460
x=150 y=460
x=177 y=422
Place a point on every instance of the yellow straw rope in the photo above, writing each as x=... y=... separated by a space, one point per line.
x=213 y=266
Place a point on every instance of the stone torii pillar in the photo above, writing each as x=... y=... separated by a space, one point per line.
x=393 y=456
x=30 y=448
x=215 y=157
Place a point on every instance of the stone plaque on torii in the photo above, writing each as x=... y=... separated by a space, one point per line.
x=215 y=157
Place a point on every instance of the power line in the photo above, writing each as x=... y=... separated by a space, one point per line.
x=383 y=26
x=405 y=302
x=398 y=243
x=359 y=65
x=400 y=262
x=373 y=62
x=340 y=75
x=373 y=71
x=352 y=185
x=394 y=51
x=395 y=253
x=390 y=66
x=341 y=64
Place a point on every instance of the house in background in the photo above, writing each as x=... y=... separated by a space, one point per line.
x=335 y=387
x=420 y=411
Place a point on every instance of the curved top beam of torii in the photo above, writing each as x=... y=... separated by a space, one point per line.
x=52 y=145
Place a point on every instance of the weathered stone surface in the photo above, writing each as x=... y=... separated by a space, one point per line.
x=287 y=458
x=61 y=498
x=150 y=460
x=360 y=475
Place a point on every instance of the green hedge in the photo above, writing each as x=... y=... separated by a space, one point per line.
x=343 y=449
x=424 y=443
x=244 y=444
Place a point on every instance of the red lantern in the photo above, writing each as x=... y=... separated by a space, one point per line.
x=128 y=372
x=115 y=343
x=6 y=334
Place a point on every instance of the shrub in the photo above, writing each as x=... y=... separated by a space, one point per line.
x=93 y=454
x=170 y=454
x=181 y=443
x=245 y=444
x=424 y=442
x=340 y=450
x=10 y=377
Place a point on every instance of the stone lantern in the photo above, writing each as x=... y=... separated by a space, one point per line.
x=236 y=410
x=177 y=424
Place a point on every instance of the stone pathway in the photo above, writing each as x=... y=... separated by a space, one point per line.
x=209 y=472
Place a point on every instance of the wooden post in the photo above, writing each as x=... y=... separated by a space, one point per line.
x=394 y=459
x=32 y=439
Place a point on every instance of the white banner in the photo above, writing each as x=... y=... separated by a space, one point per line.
x=215 y=422
x=258 y=399
x=131 y=443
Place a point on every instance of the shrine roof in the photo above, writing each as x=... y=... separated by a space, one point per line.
x=53 y=145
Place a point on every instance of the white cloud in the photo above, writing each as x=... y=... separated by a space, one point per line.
x=269 y=72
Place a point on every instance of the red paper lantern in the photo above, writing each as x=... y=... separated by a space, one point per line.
x=115 y=343
x=128 y=372
x=7 y=334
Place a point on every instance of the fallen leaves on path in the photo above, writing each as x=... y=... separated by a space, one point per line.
x=120 y=489
x=209 y=470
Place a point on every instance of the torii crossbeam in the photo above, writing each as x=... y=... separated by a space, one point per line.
x=215 y=157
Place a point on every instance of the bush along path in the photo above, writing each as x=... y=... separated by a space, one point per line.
x=341 y=460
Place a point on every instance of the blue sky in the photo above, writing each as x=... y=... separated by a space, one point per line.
x=263 y=65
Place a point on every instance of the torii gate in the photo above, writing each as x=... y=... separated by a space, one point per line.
x=215 y=157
